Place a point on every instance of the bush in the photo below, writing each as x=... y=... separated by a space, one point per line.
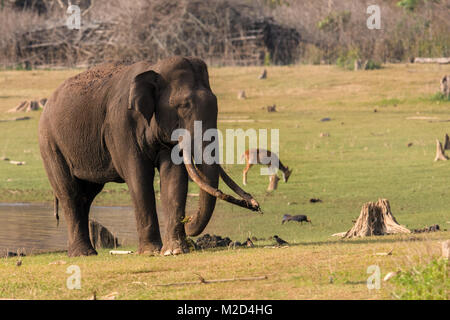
x=431 y=282
x=347 y=59
x=439 y=96
x=372 y=65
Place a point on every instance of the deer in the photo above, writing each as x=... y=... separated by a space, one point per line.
x=264 y=157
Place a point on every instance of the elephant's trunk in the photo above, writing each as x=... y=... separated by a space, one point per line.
x=207 y=197
x=207 y=178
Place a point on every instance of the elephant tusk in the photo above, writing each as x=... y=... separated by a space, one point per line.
x=248 y=203
x=235 y=187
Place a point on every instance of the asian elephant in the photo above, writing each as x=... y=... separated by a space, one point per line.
x=113 y=123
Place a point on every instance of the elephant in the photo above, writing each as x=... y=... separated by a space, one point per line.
x=113 y=123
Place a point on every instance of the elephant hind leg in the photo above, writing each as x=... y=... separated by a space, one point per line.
x=76 y=209
x=74 y=196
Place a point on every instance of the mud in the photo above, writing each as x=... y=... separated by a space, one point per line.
x=207 y=241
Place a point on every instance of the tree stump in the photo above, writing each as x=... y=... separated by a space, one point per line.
x=272 y=108
x=241 y=95
x=445 y=85
x=263 y=75
x=440 y=153
x=101 y=237
x=446 y=142
x=376 y=219
x=273 y=182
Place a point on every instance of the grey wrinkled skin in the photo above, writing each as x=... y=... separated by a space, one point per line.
x=113 y=123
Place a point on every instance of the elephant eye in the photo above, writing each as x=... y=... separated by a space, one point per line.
x=184 y=105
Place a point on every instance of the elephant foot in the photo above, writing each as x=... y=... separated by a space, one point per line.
x=175 y=248
x=81 y=250
x=149 y=248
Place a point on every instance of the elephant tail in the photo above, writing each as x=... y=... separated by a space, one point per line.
x=56 y=210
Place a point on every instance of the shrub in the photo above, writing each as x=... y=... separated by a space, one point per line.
x=373 y=65
x=347 y=59
x=439 y=96
x=430 y=282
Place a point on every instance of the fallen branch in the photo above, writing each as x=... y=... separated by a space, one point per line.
x=384 y=253
x=204 y=281
x=443 y=60
x=17 y=163
x=118 y=252
x=15 y=119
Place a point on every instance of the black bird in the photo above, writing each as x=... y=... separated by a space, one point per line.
x=299 y=218
x=249 y=243
x=280 y=241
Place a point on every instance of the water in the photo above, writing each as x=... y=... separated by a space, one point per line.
x=32 y=227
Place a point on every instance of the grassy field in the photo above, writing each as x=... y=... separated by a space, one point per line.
x=365 y=157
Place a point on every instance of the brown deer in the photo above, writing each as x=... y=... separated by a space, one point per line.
x=262 y=156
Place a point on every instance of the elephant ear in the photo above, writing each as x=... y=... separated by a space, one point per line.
x=144 y=94
x=201 y=70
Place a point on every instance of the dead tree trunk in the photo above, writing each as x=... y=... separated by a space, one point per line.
x=376 y=219
x=446 y=142
x=272 y=108
x=440 y=153
x=273 y=182
x=445 y=85
x=263 y=75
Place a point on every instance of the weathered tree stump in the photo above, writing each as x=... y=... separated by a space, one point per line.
x=272 y=108
x=273 y=182
x=440 y=153
x=446 y=142
x=263 y=75
x=101 y=237
x=241 y=95
x=445 y=85
x=375 y=219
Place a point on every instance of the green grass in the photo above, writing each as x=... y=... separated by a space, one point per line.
x=322 y=270
x=429 y=282
x=365 y=158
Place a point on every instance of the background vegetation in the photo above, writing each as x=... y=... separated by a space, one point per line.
x=327 y=31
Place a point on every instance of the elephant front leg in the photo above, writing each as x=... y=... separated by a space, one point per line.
x=174 y=187
x=140 y=184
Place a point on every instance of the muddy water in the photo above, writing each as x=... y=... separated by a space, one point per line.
x=32 y=227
